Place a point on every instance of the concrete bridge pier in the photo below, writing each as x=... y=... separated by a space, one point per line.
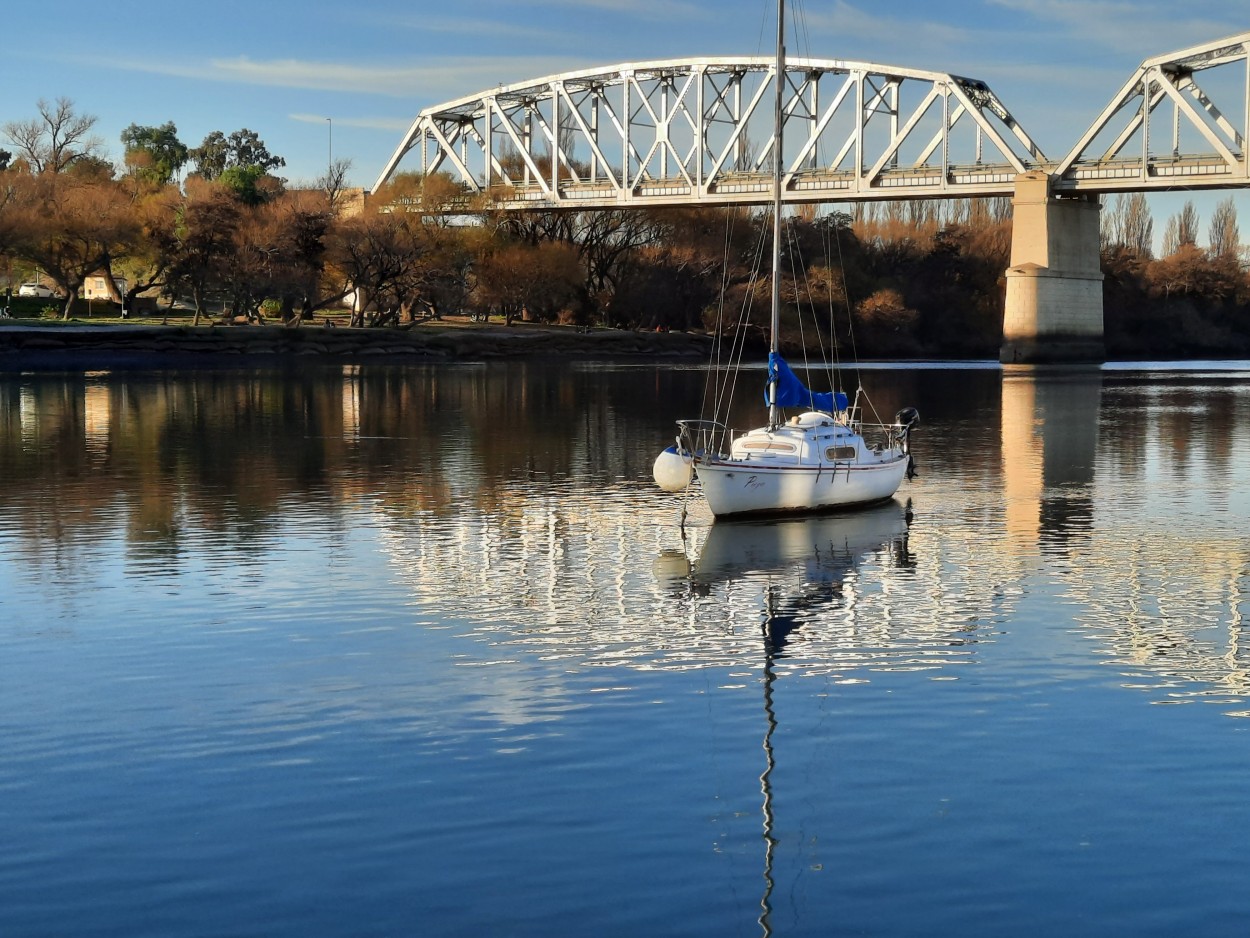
x=1053 y=310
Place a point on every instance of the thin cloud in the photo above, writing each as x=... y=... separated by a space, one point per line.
x=856 y=33
x=479 y=28
x=1150 y=29
x=365 y=123
x=432 y=81
x=640 y=9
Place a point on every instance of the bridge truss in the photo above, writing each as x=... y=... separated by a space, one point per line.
x=1180 y=121
x=701 y=131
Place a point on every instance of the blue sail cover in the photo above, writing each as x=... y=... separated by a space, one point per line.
x=792 y=393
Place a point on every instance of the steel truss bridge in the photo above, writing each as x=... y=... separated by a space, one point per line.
x=701 y=131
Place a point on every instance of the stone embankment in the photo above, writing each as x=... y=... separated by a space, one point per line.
x=75 y=346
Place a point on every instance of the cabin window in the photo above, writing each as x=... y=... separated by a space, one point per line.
x=840 y=453
x=768 y=446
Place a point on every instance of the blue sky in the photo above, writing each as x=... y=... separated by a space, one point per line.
x=281 y=68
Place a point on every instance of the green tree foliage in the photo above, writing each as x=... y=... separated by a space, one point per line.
x=211 y=157
x=251 y=185
x=243 y=149
x=154 y=153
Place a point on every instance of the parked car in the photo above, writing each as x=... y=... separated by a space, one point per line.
x=35 y=289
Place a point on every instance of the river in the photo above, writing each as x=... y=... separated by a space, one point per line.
x=422 y=651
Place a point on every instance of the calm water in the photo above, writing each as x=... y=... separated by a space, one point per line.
x=422 y=652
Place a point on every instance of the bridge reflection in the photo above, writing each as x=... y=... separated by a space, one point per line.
x=1121 y=496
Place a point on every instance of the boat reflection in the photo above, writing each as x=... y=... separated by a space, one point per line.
x=823 y=546
x=806 y=561
x=803 y=567
x=840 y=594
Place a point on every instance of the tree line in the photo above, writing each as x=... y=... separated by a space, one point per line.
x=214 y=227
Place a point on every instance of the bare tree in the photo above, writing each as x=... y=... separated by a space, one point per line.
x=334 y=182
x=1130 y=224
x=1225 y=239
x=1181 y=230
x=55 y=139
x=1138 y=225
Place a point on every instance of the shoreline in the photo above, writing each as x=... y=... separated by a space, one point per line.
x=84 y=346
x=78 y=345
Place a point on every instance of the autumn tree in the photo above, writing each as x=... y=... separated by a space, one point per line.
x=149 y=267
x=302 y=221
x=368 y=256
x=55 y=139
x=72 y=227
x=404 y=254
x=203 y=245
x=279 y=250
x=515 y=278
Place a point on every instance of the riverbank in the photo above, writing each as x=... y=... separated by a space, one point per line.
x=26 y=347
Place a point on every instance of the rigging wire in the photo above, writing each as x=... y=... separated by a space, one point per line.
x=727 y=362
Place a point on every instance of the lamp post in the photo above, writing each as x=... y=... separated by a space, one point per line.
x=330 y=150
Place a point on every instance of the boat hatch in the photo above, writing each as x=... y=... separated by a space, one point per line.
x=769 y=446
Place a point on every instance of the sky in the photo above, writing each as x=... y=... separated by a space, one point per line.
x=316 y=80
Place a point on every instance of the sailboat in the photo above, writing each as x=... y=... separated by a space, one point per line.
x=815 y=460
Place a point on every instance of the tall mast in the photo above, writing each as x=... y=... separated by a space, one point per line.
x=774 y=324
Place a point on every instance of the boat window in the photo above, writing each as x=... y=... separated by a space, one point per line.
x=768 y=446
x=840 y=453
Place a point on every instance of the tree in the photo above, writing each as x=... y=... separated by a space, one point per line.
x=157 y=212
x=55 y=139
x=334 y=182
x=1131 y=224
x=72 y=227
x=211 y=157
x=1181 y=230
x=243 y=148
x=516 y=278
x=204 y=241
x=369 y=255
x=1225 y=239
x=247 y=149
x=155 y=152
x=301 y=222
x=251 y=185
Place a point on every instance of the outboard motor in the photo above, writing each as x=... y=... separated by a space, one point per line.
x=907 y=418
x=904 y=421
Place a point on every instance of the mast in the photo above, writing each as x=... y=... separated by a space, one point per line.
x=774 y=324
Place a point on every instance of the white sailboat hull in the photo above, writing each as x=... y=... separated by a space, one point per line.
x=748 y=486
